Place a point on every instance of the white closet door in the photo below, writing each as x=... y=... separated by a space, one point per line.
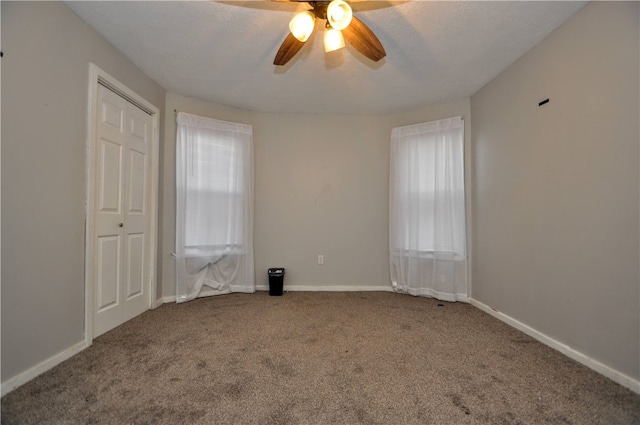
x=122 y=250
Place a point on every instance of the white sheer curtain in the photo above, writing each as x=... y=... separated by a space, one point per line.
x=427 y=236
x=214 y=207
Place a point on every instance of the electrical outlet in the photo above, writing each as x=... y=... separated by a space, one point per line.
x=320 y=259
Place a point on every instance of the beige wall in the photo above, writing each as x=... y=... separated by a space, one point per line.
x=556 y=188
x=47 y=51
x=321 y=188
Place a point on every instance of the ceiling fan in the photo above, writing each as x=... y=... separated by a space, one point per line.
x=340 y=25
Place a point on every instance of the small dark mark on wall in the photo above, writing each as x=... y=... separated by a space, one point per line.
x=1 y=54
x=543 y=102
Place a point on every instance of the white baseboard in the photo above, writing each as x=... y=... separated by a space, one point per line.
x=614 y=375
x=311 y=288
x=26 y=376
x=333 y=288
x=169 y=299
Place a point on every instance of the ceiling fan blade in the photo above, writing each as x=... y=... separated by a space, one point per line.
x=364 y=40
x=290 y=46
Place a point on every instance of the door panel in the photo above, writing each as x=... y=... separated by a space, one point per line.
x=138 y=136
x=137 y=181
x=108 y=275
x=139 y=126
x=110 y=170
x=135 y=274
x=112 y=114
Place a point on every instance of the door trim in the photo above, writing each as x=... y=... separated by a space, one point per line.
x=98 y=76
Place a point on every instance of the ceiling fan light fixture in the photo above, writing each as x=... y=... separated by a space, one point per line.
x=340 y=25
x=302 y=25
x=339 y=14
x=333 y=39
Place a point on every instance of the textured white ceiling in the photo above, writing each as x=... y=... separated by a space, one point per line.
x=223 y=52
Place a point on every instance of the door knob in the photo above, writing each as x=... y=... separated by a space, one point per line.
x=121 y=225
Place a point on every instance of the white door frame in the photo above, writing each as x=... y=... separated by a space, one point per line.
x=96 y=76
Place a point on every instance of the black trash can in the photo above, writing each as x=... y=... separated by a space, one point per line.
x=276 y=281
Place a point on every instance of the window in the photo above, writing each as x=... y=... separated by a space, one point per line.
x=427 y=232
x=214 y=184
x=427 y=178
x=214 y=206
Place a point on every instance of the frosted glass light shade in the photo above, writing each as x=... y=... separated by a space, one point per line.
x=339 y=14
x=302 y=25
x=333 y=39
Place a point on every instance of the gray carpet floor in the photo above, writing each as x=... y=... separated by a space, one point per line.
x=319 y=358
